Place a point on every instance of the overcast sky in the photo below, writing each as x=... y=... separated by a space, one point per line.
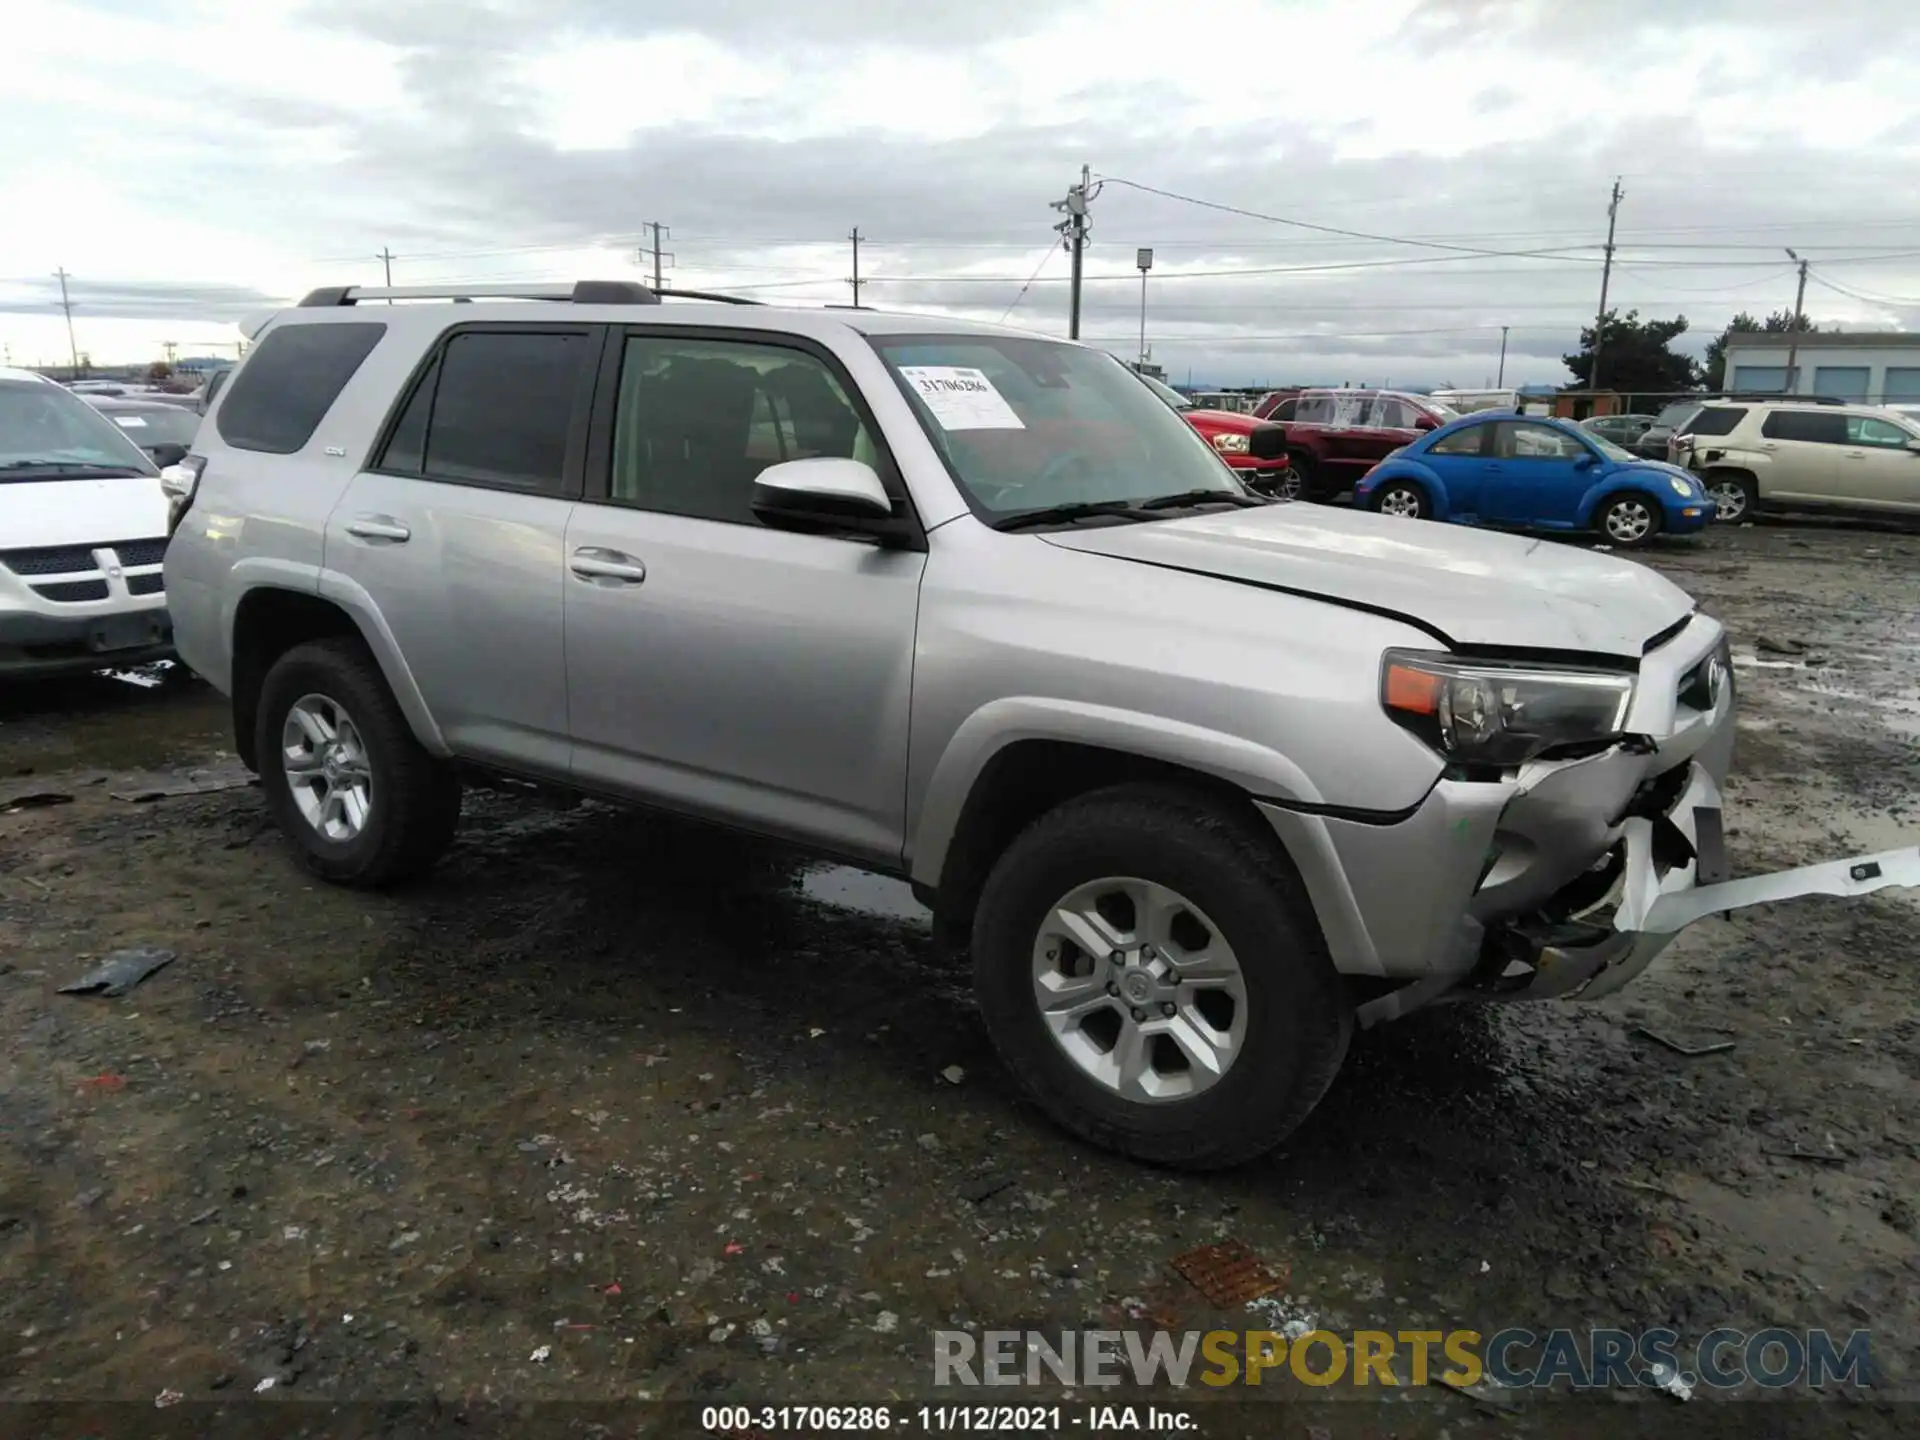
x=190 y=161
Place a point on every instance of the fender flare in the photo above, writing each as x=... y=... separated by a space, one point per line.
x=1427 y=479
x=1262 y=773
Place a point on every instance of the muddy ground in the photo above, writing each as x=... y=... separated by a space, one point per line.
x=615 y=1108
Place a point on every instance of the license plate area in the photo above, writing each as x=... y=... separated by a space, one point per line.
x=122 y=632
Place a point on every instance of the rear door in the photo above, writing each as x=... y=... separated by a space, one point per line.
x=1533 y=476
x=1350 y=448
x=1806 y=454
x=1889 y=472
x=456 y=532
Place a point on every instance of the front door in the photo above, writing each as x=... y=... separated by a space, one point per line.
x=456 y=530
x=756 y=676
x=1805 y=449
x=1532 y=475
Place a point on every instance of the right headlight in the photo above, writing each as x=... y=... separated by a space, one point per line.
x=1481 y=713
x=1228 y=444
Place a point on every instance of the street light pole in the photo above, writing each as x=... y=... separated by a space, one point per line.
x=1143 y=257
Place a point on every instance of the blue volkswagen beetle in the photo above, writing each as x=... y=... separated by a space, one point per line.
x=1527 y=472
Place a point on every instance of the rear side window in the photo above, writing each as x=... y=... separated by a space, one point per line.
x=497 y=408
x=1717 y=420
x=289 y=383
x=1818 y=427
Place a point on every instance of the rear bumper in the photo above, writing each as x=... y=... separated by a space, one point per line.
x=35 y=644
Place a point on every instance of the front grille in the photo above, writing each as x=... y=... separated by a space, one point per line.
x=146 y=584
x=64 y=560
x=70 y=591
x=141 y=552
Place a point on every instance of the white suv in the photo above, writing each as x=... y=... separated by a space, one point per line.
x=1755 y=455
x=83 y=525
x=1202 y=779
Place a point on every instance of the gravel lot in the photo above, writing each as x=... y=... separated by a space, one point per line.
x=666 y=1107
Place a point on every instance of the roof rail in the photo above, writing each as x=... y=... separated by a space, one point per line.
x=581 y=292
x=712 y=295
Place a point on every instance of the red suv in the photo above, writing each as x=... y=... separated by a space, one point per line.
x=1336 y=436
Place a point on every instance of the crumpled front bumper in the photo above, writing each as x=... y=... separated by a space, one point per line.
x=1565 y=880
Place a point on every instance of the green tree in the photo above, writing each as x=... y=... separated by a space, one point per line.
x=1636 y=358
x=1779 y=322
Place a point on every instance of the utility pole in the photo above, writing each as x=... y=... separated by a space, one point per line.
x=1075 y=228
x=1144 y=259
x=855 y=237
x=1606 y=274
x=385 y=257
x=1793 y=333
x=658 y=230
x=73 y=349
x=1501 y=383
x=171 y=349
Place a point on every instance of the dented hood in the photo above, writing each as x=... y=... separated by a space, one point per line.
x=1474 y=587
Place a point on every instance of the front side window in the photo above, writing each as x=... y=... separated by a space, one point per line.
x=1815 y=427
x=1517 y=441
x=494 y=408
x=1029 y=424
x=290 y=381
x=1465 y=441
x=48 y=433
x=698 y=420
x=1391 y=414
x=1716 y=420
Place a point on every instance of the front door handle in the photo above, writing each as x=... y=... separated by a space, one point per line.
x=379 y=527
x=592 y=562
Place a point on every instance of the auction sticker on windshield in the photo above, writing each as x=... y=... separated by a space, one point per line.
x=130 y=422
x=961 y=398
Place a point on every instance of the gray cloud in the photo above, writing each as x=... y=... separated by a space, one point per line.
x=133 y=299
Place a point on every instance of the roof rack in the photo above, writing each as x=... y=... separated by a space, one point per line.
x=580 y=292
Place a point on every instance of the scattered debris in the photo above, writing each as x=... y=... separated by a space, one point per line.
x=733 y=1247
x=1228 y=1273
x=1667 y=1378
x=986 y=1187
x=540 y=1355
x=1767 y=645
x=1482 y=1393
x=953 y=1075
x=108 y=1082
x=886 y=1322
x=1652 y=1189
x=928 y=1142
x=166 y=1398
x=266 y=1384
x=1816 y=1156
x=205 y=1215
x=33 y=800
x=814 y=1032
x=120 y=971
x=1692 y=1052
x=1485 y=1267
x=145 y=789
x=1288 y=1314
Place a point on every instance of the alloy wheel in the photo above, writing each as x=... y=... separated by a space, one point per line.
x=1401 y=503
x=1729 y=499
x=1629 y=520
x=1139 y=989
x=327 y=769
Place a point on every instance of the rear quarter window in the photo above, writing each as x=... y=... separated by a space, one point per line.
x=1820 y=427
x=290 y=381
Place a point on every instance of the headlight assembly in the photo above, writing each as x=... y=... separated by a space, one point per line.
x=1501 y=714
x=1230 y=444
x=1680 y=487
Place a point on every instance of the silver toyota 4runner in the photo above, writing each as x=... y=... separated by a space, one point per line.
x=1204 y=780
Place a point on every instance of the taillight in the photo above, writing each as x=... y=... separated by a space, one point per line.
x=180 y=482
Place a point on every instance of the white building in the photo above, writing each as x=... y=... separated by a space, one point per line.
x=1877 y=369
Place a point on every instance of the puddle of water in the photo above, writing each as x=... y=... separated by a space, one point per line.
x=861 y=891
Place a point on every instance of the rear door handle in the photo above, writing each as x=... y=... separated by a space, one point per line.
x=592 y=562
x=379 y=527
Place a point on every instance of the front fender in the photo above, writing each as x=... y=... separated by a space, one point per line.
x=353 y=598
x=1653 y=486
x=1261 y=772
x=1424 y=476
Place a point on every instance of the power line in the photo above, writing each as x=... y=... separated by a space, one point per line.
x=1870 y=298
x=1028 y=285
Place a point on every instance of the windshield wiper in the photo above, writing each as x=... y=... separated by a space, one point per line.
x=1062 y=514
x=1203 y=497
x=68 y=465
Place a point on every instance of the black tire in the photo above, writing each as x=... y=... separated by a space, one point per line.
x=1414 y=494
x=416 y=799
x=1298 y=1020
x=1734 y=484
x=1308 y=469
x=1615 y=505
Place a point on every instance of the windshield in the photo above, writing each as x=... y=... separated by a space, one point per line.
x=1030 y=424
x=1167 y=393
x=1445 y=413
x=1612 y=451
x=1673 y=414
x=46 y=433
x=156 y=425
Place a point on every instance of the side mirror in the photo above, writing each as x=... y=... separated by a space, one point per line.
x=824 y=493
x=1585 y=462
x=1425 y=422
x=167 y=452
x=1914 y=445
x=178 y=480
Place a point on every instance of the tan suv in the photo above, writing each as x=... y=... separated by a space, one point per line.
x=1802 y=456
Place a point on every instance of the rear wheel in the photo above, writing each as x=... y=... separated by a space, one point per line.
x=342 y=773
x=1285 y=485
x=1307 y=471
x=1151 y=971
x=1629 y=520
x=1403 y=500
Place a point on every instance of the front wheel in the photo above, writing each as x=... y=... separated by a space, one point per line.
x=1402 y=499
x=1735 y=497
x=1151 y=971
x=1281 y=485
x=342 y=773
x=1629 y=521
